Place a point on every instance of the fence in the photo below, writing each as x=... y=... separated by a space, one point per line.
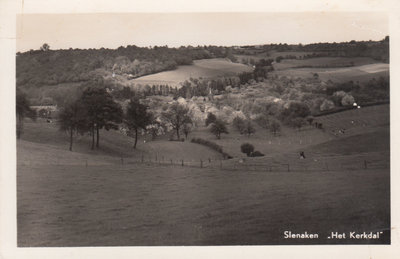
x=259 y=165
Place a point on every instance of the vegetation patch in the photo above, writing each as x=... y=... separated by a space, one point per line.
x=211 y=145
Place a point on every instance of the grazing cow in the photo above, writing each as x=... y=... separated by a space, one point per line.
x=302 y=156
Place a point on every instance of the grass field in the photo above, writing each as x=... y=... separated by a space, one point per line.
x=205 y=68
x=104 y=206
x=323 y=62
x=341 y=74
x=63 y=202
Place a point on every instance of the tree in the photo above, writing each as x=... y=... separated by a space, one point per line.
x=137 y=117
x=155 y=128
x=297 y=123
x=327 y=105
x=178 y=115
x=310 y=119
x=73 y=119
x=263 y=121
x=45 y=47
x=248 y=128
x=102 y=111
x=211 y=118
x=274 y=126
x=219 y=127
x=239 y=123
x=187 y=129
x=347 y=100
x=247 y=148
x=296 y=109
x=23 y=110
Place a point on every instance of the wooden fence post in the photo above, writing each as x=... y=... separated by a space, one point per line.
x=288 y=167
x=201 y=163
x=122 y=160
x=365 y=164
x=182 y=162
x=171 y=161
x=142 y=158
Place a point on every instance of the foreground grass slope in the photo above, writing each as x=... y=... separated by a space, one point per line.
x=63 y=202
x=130 y=205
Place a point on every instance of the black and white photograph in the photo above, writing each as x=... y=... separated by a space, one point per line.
x=203 y=129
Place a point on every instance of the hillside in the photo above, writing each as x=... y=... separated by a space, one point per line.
x=362 y=73
x=206 y=68
x=104 y=202
x=42 y=143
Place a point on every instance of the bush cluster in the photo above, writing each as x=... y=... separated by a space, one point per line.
x=211 y=145
x=248 y=149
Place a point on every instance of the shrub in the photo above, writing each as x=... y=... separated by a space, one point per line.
x=247 y=148
x=256 y=154
x=337 y=97
x=347 y=100
x=211 y=145
x=327 y=105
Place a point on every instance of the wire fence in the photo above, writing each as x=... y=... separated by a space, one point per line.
x=259 y=165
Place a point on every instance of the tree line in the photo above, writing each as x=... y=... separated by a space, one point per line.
x=51 y=67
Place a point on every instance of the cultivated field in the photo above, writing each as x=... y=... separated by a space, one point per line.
x=94 y=199
x=341 y=74
x=206 y=68
x=323 y=62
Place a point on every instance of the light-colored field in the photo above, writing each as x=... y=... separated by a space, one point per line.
x=356 y=73
x=205 y=68
x=273 y=55
x=63 y=202
x=323 y=62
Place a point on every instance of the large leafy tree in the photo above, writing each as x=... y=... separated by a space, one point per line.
x=102 y=111
x=73 y=119
x=219 y=127
x=178 y=115
x=137 y=117
x=23 y=110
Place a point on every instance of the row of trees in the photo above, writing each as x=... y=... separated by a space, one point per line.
x=96 y=110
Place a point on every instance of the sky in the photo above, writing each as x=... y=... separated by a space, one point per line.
x=63 y=31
